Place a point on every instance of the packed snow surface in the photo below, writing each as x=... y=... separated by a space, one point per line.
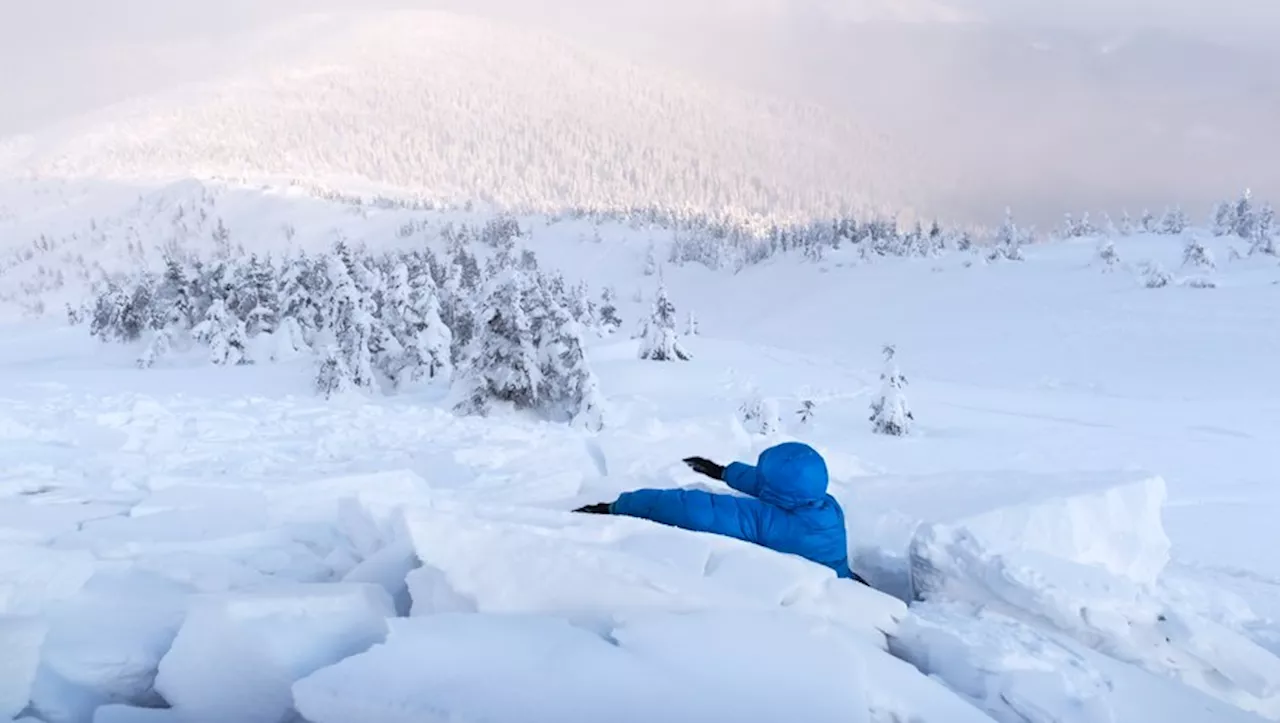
x=1075 y=530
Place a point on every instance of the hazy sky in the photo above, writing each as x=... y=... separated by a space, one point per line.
x=976 y=94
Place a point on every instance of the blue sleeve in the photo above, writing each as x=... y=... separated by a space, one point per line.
x=696 y=510
x=743 y=478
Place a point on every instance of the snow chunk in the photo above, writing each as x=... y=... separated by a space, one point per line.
x=531 y=561
x=32 y=577
x=20 y=641
x=1036 y=564
x=1108 y=521
x=681 y=668
x=1021 y=674
x=236 y=655
x=115 y=662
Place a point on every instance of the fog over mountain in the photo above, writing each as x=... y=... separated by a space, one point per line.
x=1045 y=106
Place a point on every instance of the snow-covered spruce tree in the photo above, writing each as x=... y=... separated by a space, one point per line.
x=568 y=390
x=889 y=411
x=347 y=360
x=1147 y=223
x=1195 y=254
x=258 y=295
x=1174 y=221
x=1126 y=224
x=806 y=411
x=504 y=365
x=1008 y=241
x=223 y=333
x=1264 y=233
x=416 y=322
x=610 y=322
x=1224 y=220
x=303 y=284
x=660 y=341
x=691 y=325
x=650 y=260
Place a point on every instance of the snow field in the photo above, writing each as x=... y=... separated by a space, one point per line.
x=206 y=506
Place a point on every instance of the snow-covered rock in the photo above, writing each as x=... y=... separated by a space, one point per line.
x=20 y=639
x=749 y=667
x=1022 y=674
x=236 y=655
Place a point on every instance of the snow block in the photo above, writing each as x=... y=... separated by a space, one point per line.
x=1108 y=608
x=20 y=640
x=680 y=668
x=31 y=577
x=1018 y=673
x=1110 y=524
x=237 y=655
x=115 y=662
x=531 y=561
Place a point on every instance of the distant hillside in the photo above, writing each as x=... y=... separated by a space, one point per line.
x=459 y=109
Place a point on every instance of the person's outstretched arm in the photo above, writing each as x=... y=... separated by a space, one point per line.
x=739 y=476
x=696 y=510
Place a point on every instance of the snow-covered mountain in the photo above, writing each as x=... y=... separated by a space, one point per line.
x=458 y=109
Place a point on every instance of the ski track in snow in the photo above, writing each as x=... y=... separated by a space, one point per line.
x=230 y=520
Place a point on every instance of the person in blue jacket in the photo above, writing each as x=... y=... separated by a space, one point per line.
x=788 y=510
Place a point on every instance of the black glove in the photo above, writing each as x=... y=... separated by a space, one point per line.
x=705 y=467
x=600 y=508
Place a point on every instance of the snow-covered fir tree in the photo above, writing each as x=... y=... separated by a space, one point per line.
x=504 y=367
x=1174 y=221
x=223 y=333
x=1195 y=255
x=889 y=411
x=650 y=260
x=1264 y=233
x=660 y=341
x=568 y=390
x=426 y=339
x=610 y=322
x=1008 y=241
x=1126 y=224
x=691 y=325
x=348 y=361
x=1147 y=223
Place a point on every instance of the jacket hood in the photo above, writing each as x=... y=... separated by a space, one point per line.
x=791 y=475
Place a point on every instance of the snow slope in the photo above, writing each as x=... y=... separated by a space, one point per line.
x=457 y=109
x=1082 y=508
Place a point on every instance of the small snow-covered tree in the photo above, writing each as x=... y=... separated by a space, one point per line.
x=650 y=260
x=610 y=322
x=1195 y=254
x=691 y=325
x=1154 y=276
x=223 y=333
x=660 y=341
x=759 y=415
x=568 y=389
x=1107 y=253
x=1126 y=224
x=889 y=411
x=1008 y=241
x=806 y=411
x=1224 y=219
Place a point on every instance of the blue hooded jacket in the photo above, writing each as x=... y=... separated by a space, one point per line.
x=791 y=511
